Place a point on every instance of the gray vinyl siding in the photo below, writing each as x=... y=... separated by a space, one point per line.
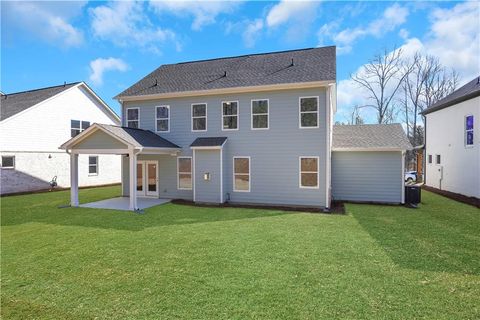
x=100 y=140
x=208 y=191
x=274 y=152
x=367 y=176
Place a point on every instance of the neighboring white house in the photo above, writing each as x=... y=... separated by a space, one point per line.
x=32 y=126
x=453 y=141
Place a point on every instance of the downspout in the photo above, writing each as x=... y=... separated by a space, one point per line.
x=424 y=160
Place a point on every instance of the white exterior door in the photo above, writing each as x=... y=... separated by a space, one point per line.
x=147 y=178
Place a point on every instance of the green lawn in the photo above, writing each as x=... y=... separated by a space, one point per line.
x=183 y=262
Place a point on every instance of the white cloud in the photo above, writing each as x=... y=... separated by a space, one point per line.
x=392 y=17
x=101 y=65
x=251 y=33
x=403 y=33
x=287 y=10
x=126 y=24
x=49 y=21
x=203 y=12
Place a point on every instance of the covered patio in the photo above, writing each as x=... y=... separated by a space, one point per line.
x=129 y=142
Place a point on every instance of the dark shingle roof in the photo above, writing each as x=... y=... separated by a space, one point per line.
x=209 y=142
x=138 y=137
x=468 y=91
x=370 y=136
x=13 y=103
x=313 y=64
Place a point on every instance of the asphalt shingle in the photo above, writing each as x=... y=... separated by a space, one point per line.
x=209 y=142
x=370 y=136
x=139 y=137
x=305 y=65
x=13 y=103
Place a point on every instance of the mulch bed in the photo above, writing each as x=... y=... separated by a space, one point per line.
x=455 y=196
x=337 y=207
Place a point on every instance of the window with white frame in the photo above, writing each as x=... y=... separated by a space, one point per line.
x=184 y=173
x=77 y=126
x=133 y=117
x=230 y=115
x=163 y=118
x=241 y=174
x=430 y=158
x=308 y=172
x=309 y=112
x=260 y=114
x=469 y=130
x=199 y=117
x=438 y=159
x=8 y=162
x=93 y=165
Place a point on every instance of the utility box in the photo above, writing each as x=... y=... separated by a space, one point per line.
x=413 y=195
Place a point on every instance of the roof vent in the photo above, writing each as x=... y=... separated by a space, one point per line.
x=478 y=80
x=64 y=83
x=225 y=74
x=292 y=64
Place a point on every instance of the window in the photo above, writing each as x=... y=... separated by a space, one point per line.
x=260 y=114
x=184 y=173
x=93 y=165
x=199 y=117
x=8 y=162
x=430 y=158
x=309 y=112
x=437 y=159
x=230 y=115
x=308 y=172
x=133 y=117
x=241 y=174
x=469 y=130
x=77 y=126
x=163 y=118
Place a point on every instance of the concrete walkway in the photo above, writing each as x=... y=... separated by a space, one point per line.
x=122 y=203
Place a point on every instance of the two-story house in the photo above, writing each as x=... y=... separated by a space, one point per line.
x=452 y=145
x=253 y=129
x=33 y=123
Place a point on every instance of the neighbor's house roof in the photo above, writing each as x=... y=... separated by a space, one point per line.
x=467 y=92
x=286 y=67
x=136 y=138
x=208 y=142
x=370 y=137
x=14 y=103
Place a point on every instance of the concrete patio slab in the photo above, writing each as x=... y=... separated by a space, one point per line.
x=122 y=203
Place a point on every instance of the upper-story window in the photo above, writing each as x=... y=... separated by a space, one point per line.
x=438 y=159
x=469 y=130
x=8 y=162
x=199 y=117
x=430 y=158
x=309 y=112
x=259 y=114
x=133 y=117
x=230 y=115
x=77 y=126
x=163 y=118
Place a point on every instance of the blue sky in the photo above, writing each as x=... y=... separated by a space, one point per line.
x=111 y=45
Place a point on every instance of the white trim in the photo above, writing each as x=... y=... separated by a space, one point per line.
x=74 y=180
x=260 y=114
x=300 y=171
x=193 y=176
x=167 y=118
x=328 y=143
x=468 y=146
x=145 y=178
x=197 y=93
x=199 y=117
x=126 y=116
x=122 y=157
x=100 y=151
x=207 y=148
x=221 y=176
x=178 y=172
x=244 y=174
x=231 y=115
x=91 y=165
x=300 y=112
x=367 y=149
x=402 y=178
x=8 y=156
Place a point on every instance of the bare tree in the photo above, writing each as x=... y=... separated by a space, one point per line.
x=355 y=117
x=381 y=78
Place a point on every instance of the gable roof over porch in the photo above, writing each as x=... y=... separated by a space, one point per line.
x=103 y=138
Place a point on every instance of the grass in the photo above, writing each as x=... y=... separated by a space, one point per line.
x=174 y=261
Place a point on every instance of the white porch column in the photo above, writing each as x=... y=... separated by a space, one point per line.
x=133 y=180
x=73 y=179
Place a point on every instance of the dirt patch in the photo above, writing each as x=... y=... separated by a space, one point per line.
x=455 y=196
